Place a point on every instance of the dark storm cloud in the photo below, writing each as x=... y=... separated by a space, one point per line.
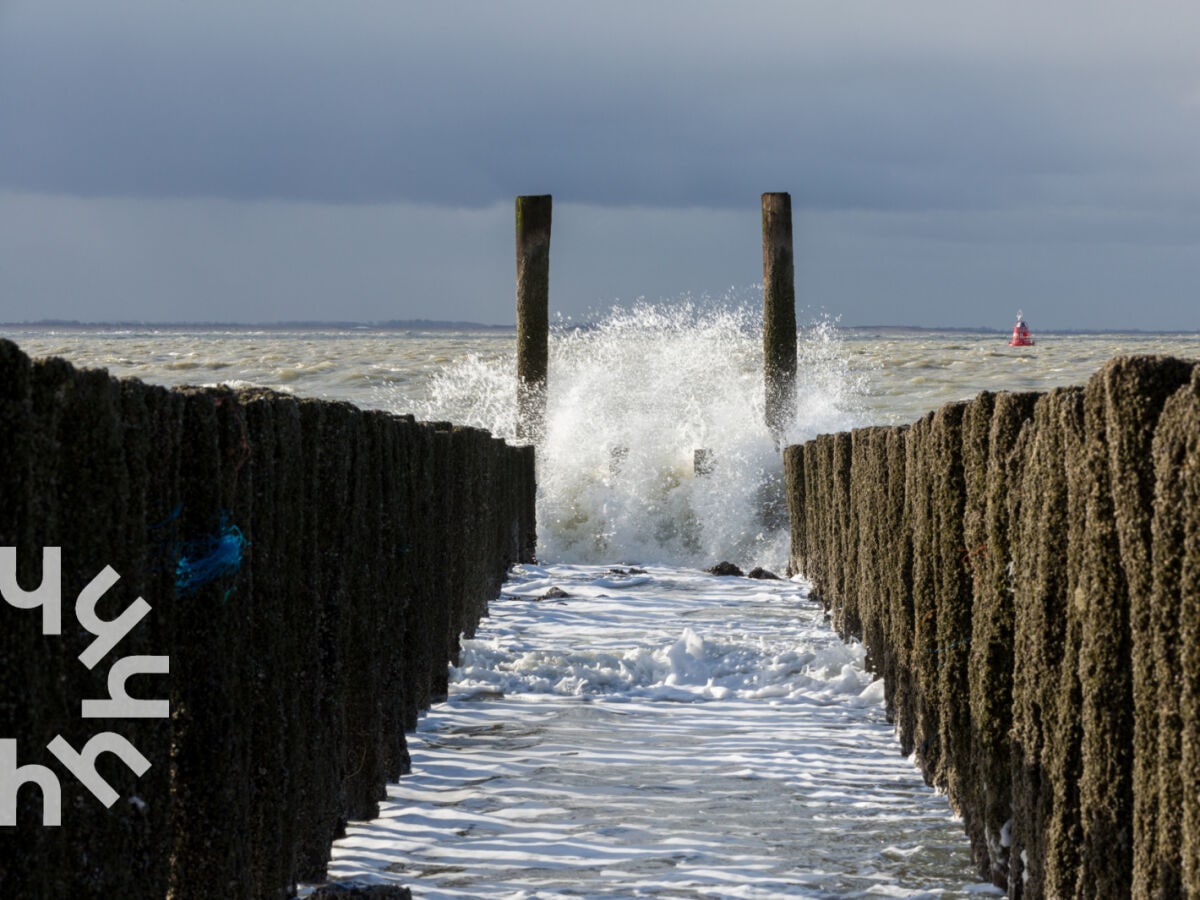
x=281 y=159
x=466 y=104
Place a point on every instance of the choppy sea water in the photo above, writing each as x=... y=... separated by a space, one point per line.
x=664 y=733
x=896 y=375
x=659 y=732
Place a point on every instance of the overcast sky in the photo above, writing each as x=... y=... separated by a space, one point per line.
x=266 y=160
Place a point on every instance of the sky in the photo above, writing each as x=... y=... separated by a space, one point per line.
x=282 y=160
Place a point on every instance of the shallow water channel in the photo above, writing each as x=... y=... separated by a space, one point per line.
x=659 y=733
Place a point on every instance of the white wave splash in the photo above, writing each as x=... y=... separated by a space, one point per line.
x=632 y=397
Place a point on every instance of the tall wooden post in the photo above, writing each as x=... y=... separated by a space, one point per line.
x=779 y=311
x=533 y=314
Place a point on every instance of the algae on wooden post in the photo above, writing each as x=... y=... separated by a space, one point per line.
x=1106 y=781
x=1039 y=507
x=1123 y=403
x=1136 y=389
x=793 y=473
x=533 y=313
x=897 y=567
x=870 y=527
x=976 y=430
x=843 y=595
x=779 y=310
x=1063 y=759
x=898 y=580
x=1176 y=602
x=991 y=428
x=825 y=543
x=922 y=653
x=953 y=595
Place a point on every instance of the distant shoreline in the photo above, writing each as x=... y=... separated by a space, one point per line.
x=391 y=325
x=438 y=325
x=921 y=329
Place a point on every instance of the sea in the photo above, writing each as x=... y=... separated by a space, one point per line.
x=624 y=724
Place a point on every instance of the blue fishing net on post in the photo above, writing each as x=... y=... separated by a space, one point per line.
x=205 y=559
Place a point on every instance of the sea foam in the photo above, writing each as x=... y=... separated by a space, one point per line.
x=632 y=395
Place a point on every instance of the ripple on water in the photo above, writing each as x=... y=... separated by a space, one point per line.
x=660 y=788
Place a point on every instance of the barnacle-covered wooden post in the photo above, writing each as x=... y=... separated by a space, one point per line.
x=533 y=315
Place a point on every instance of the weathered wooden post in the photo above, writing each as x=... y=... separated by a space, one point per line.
x=533 y=314
x=779 y=311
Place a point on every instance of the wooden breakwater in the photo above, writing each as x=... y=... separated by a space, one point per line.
x=1024 y=571
x=308 y=566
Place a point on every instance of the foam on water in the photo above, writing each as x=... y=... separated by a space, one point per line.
x=631 y=397
x=746 y=657
x=658 y=733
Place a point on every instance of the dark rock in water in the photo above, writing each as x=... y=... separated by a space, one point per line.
x=354 y=891
x=555 y=593
x=629 y=571
x=725 y=568
x=765 y=574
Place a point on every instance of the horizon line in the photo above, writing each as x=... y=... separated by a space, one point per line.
x=461 y=325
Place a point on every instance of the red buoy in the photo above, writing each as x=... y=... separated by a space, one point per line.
x=1021 y=336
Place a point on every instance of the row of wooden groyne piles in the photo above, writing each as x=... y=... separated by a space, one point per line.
x=1024 y=571
x=309 y=568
